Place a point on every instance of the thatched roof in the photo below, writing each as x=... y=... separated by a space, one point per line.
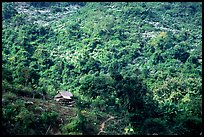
x=63 y=95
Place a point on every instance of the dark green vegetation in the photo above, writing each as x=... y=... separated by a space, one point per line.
x=138 y=62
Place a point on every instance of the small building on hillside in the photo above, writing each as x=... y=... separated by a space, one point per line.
x=64 y=96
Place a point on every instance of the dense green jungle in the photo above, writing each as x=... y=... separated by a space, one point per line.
x=134 y=68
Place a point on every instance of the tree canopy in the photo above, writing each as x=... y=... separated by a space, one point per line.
x=139 y=62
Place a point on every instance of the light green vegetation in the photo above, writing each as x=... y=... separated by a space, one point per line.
x=139 y=62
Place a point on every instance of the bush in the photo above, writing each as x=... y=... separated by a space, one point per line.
x=42 y=4
x=188 y=126
x=55 y=9
x=8 y=10
x=154 y=125
x=73 y=127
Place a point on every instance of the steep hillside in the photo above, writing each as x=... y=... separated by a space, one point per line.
x=138 y=63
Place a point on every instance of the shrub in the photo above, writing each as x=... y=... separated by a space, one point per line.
x=154 y=125
x=188 y=126
x=8 y=10
x=73 y=127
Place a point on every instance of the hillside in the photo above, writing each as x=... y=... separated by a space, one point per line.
x=133 y=67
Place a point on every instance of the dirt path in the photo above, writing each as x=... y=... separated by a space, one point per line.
x=103 y=125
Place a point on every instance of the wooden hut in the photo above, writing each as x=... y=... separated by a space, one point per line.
x=64 y=96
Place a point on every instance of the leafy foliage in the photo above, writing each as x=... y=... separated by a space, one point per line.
x=140 y=62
